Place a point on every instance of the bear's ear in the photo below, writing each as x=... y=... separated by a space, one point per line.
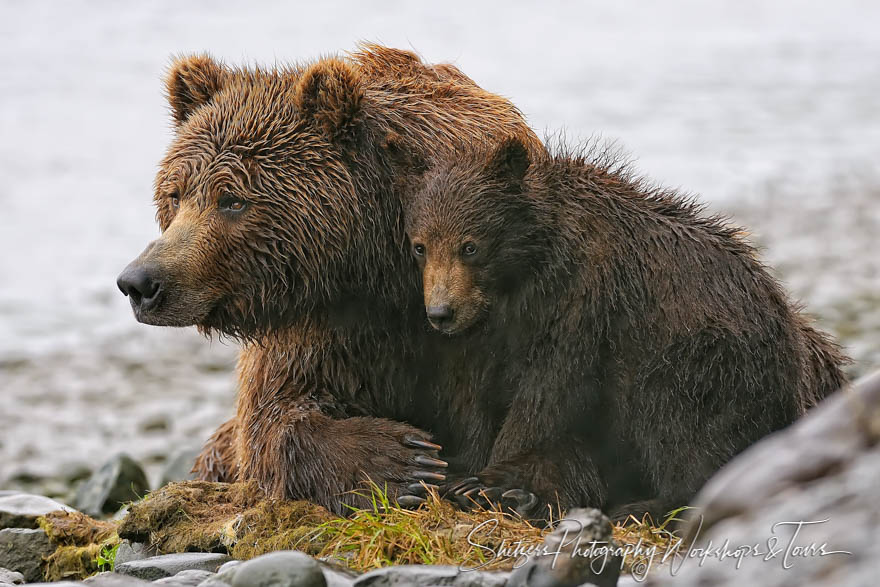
x=330 y=93
x=192 y=82
x=510 y=161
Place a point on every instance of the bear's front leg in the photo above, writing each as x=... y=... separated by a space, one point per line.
x=302 y=453
x=218 y=460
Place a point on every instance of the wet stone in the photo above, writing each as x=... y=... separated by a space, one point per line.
x=8 y=577
x=179 y=466
x=190 y=578
x=111 y=580
x=279 y=569
x=117 y=482
x=22 y=550
x=133 y=551
x=427 y=575
x=581 y=526
x=21 y=510
x=168 y=565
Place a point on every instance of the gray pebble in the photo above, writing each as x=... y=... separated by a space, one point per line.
x=422 y=575
x=112 y=580
x=287 y=568
x=8 y=577
x=133 y=551
x=227 y=566
x=190 y=578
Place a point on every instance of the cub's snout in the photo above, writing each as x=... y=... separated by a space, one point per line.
x=440 y=316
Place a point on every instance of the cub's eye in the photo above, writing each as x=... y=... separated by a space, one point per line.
x=175 y=201
x=230 y=203
x=469 y=249
x=419 y=250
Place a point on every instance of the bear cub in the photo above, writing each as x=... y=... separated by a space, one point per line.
x=604 y=343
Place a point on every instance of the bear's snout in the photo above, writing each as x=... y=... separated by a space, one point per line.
x=142 y=286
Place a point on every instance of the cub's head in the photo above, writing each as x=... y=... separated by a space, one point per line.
x=254 y=197
x=475 y=234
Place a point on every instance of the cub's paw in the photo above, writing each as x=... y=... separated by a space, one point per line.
x=472 y=492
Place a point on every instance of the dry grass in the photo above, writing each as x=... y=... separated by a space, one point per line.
x=437 y=533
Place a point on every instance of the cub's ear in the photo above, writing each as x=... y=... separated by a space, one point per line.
x=510 y=161
x=192 y=82
x=403 y=158
x=331 y=94
x=407 y=166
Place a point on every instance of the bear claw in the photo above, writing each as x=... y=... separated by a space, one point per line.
x=464 y=485
x=430 y=462
x=410 y=501
x=470 y=492
x=421 y=489
x=428 y=476
x=525 y=500
x=414 y=442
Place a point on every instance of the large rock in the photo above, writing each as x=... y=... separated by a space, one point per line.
x=21 y=510
x=428 y=576
x=167 y=565
x=117 y=482
x=22 y=550
x=799 y=508
x=581 y=532
x=279 y=569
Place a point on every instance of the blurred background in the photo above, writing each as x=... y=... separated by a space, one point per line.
x=767 y=111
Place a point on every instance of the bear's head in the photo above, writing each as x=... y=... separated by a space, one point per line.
x=260 y=211
x=475 y=233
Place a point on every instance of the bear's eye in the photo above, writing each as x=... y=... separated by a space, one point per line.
x=469 y=249
x=419 y=250
x=230 y=203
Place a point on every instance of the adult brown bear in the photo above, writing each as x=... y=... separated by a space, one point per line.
x=281 y=227
x=609 y=344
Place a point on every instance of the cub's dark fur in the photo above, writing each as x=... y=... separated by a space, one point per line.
x=616 y=345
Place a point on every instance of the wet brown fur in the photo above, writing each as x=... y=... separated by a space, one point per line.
x=313 y=275
x=626 y=344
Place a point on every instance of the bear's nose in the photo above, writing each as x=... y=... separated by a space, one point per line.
x=140 y=285
x=440 y=315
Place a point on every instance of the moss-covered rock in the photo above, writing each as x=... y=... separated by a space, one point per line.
x=217 y=517
x=79 y=541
